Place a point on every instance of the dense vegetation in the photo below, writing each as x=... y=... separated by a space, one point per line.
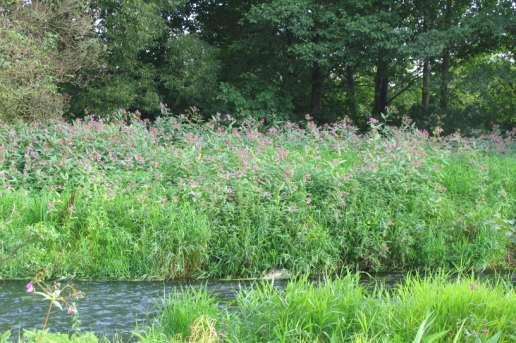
x=431 y=310
x=443 y=63
x=342 y=311
x=181 y=200
x=169 y=139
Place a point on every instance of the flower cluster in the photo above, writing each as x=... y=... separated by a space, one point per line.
x=289 y=196
x=57 y=295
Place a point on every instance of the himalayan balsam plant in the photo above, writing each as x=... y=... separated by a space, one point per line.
x=61 y=297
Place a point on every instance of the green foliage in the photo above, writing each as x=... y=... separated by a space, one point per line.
x=468 y=303
x=438 y=308
x=184 y=310
x=485 y=93
x=263 y=60
x=27 y=86
x=176 y=200
x=83 y=235
x=429 y=310
x=251 y=100
x=302 y=313
x=189 y=74
x=129 y=30
x=150 y=62
x=44 y=49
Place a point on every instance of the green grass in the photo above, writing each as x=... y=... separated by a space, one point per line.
x=110 y=201
x=434 y=309
x=343 y=311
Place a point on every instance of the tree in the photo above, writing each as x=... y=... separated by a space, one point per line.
x=270 y=59
x=188 y=75
x=307 y=29
x=27 y=88
x=44 y=45
x=152 y=58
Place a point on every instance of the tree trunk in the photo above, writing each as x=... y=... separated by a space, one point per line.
x=381 y=87
x=445 y=81
x=316 y=91
x=445 y=66
x=351 y=99
x=425 y=90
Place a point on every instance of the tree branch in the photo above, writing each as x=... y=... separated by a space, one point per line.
x=402 y=90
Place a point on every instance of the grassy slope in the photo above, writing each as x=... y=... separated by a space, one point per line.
x=94 y=200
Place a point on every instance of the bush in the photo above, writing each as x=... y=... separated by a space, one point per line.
x=28 y=90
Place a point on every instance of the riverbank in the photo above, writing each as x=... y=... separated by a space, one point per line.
x=93 y=200
x=417 y=310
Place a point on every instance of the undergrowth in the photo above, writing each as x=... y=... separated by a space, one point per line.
x=178 y=200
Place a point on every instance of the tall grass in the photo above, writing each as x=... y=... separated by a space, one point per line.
x=435 y=309
x=342 y=311
x=180 y=200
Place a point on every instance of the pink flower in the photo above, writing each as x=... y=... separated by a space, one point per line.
x=29 y=288
x=72 y=310
x=407 y=121
x=372 y=121
x=282 y=154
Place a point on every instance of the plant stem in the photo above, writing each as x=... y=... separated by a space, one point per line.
x=47 y=316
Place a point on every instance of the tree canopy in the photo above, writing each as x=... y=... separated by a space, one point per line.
x=446 y=63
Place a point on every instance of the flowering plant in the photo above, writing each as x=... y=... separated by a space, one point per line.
x=62 y=297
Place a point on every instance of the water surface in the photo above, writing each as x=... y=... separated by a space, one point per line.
x=110 y=308
x=107 y=308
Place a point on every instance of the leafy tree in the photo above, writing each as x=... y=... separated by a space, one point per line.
x=44 y=47
x=27 y=87
x=448 y=34
x=269 y=59
x=309 y=33
x=129 y=30
x=188 y=76
x=153 y=58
